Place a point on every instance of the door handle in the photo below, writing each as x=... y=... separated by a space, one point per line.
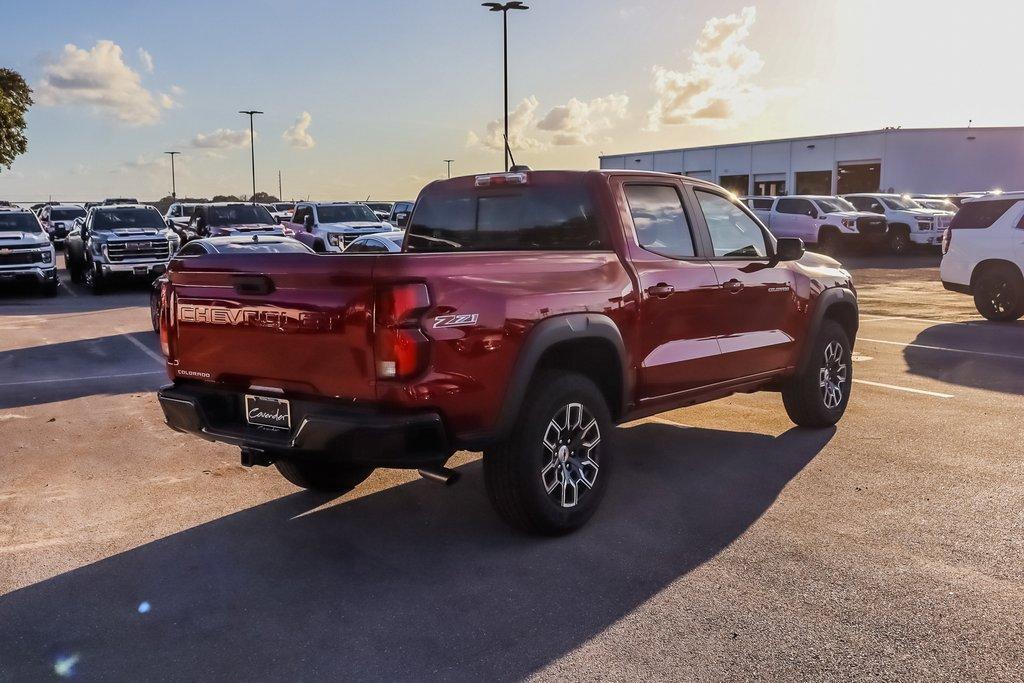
x=733 y=286
x=660 y=290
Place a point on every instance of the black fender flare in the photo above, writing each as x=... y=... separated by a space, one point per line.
x=827 y=299
x=545 y=335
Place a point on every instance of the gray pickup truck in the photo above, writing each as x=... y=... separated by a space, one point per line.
x=26 y=253
x=119 y=240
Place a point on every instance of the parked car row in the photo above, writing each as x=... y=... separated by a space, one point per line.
x=874 y=219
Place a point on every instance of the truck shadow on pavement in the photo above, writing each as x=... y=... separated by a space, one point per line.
x=414 y=582
x=85 y=367
x=993 y=357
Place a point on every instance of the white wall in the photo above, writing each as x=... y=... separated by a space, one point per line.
x=929 y=161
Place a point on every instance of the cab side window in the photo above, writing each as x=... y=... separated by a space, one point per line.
x=659 y=220
x=800 y=207
x=734 y=234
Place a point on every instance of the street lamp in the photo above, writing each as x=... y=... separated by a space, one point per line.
x=252 y=148
x=504 y=8
x=174 y=193
x=449 y=162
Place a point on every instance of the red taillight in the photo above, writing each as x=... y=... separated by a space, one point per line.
x=400 y=345
x=947 y=239
x=166 y=311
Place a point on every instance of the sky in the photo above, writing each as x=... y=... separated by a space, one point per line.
x=366 y=99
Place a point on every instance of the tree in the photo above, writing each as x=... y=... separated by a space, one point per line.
x=263 y=198
x=15 y=99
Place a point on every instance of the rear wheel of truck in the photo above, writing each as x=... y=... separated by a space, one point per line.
x=74 y=272
x=552 y=472
x=828 y=241
x=818 y=394
x=328 y=477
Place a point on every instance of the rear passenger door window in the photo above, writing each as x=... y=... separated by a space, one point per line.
x=659 y=220
x=733 y=233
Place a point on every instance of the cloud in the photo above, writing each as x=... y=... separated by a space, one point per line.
x=297 y=135
x=177 y=90
x=576 y=123
x=99 y=78
x=520 y=120
x=142 y=164
x=222 y=138
x=718 y=86
x=81 y=169
x=147 y=60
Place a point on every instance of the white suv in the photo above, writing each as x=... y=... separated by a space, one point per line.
x=909 y=222
x=983 y=254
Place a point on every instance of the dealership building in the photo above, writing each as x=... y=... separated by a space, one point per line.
x=917 y=160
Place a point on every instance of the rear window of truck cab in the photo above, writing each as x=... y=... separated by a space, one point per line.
x=526 y=217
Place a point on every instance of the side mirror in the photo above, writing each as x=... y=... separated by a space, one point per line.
x=307 y=223
x=789 y=249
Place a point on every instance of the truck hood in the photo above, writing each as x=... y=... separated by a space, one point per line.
x=354 y=226
x=129 y=232
x=22 y=238
x=853 y=214
x=927 y=213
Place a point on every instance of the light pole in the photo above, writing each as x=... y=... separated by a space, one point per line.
x=449 y=162
x=174 y=189
x=252 y=148
x=504 y=8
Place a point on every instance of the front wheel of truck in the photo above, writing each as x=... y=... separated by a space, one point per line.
x=328 y=477
x=818 y=394
x=551 y=474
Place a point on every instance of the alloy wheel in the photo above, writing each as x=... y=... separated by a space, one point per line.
x=832 y=375
x=1001 y=296
x=571 y=455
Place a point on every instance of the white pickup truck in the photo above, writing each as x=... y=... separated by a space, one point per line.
x=823 y=221
x=909 y=222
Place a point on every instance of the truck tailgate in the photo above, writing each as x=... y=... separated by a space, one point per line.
x=301 y=323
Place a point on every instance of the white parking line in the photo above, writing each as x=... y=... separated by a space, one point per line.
x=874 y=318
x=79 y=379
x=936 y=394
x=991 y=354
x=145 y=349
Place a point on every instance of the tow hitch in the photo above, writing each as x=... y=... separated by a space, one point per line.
x=254 y=456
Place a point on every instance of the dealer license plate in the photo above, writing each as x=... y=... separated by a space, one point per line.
x=268 y=412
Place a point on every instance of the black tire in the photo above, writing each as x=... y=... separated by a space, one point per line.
x=899 y=240
x=74 y=271
x=92 y=278
x=809 y=403
x=828 y=241
x=324 y=476
x=319 y=246
x=553 y=489
x=154 y=308
x=999 y=293
x=50 y=289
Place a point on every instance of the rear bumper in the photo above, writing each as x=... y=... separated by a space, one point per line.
x=321 y=429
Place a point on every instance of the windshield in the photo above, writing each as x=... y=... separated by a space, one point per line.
x=66 y=214
x=379 y=206
x=345 y=213
x=833 y=204
x=240 y=214
x=18 y=222
x=900 y=203
x=938 y=204
x=262 y=247
x=127 y=218
x=284 y=207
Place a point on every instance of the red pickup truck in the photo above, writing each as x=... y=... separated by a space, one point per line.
x=528 y=313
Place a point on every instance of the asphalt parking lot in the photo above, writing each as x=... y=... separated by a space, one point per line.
x=732 y=546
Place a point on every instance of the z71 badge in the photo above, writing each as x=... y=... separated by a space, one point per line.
x=459 y=320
